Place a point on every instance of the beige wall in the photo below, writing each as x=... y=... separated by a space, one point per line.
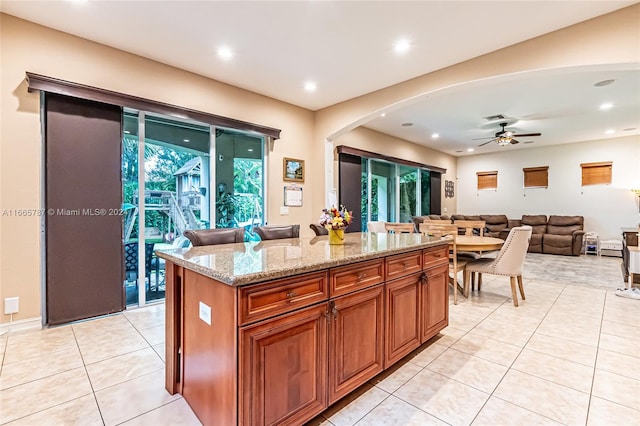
x=612 y=39
x=29 y=47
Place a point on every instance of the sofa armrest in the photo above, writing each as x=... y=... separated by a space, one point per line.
x=577 y=237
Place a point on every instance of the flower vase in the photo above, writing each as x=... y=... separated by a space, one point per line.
x=336 y=236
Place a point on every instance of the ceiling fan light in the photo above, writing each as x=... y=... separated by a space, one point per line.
x=503 y=141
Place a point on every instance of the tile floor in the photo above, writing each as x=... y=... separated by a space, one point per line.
x=570 y=354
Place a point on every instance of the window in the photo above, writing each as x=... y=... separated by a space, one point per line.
x=487 y=180
x=536 y=177
x=596 y=173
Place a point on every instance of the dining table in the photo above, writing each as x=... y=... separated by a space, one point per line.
x=474 y=243
x=477 y=243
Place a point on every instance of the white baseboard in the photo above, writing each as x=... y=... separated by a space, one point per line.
x=20 y=326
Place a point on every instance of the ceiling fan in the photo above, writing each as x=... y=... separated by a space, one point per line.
x=505 y=137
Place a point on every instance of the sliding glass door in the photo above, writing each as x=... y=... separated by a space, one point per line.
x=165 y=175
x=393 y=192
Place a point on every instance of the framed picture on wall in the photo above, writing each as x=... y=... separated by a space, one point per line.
x=293 y=170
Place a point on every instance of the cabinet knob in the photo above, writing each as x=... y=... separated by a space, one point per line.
x=334 y=311
x=362 y=275
x=292 y=294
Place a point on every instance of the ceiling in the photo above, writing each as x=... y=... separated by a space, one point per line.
x=346 y=48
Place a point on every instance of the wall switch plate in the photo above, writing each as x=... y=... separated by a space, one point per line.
x=205 y=313
x=11 y=305
x=284 y=210
x=445 y=209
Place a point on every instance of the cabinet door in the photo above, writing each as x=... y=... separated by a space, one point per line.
x=402 y=315
x=355 y=340
x=284 y=368
x=435 y=301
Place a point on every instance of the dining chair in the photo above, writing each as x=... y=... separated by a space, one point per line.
x=508 y=262
x=318 y=230
x=471 y=226
x=376 y=227
x=208 y=237
x=438 y=222
x=277 y=232
x=456 y=265
x=398 y=228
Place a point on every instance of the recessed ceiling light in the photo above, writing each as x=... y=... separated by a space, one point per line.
x=185 y=140
x=604 y=83
x=435 y=136
x=407 y=124
x=384 y=114
x=310 y=86
x=605 y=106
x=470 y=149
x=610 y=132
x=225 y=53
x=402 y=46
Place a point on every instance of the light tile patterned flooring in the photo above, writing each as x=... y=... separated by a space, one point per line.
x=570 y=354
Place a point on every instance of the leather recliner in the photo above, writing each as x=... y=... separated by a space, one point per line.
x=564 y=235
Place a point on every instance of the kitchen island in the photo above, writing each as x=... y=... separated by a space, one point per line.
x=274 y=332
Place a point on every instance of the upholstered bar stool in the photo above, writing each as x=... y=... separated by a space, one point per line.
x=208 y=237
x=277 y=232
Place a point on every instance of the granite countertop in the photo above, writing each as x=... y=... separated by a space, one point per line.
x=248 y=263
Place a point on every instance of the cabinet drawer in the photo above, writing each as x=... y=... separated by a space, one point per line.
x=276 y=297
x=404 y=264
x=435 y=256
x=346 y=279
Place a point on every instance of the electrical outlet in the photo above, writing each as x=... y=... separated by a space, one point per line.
x=11 y=305
x=284 y=211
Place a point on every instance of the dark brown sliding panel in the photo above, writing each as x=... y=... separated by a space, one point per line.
x=436 y=193
x=83 y=197
x=350 y=187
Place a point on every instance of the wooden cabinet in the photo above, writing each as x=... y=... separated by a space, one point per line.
x=435 y=301
x=284 y=368
x=267 y=300
x=347 y=279
x=281 y=351
x=402 y=313
x=355 y=340
x=403 y=264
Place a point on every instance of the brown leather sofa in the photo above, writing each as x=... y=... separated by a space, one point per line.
x=564 y=235
x=555 y=235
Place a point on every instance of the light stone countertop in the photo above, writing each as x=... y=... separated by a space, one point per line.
x=249 y=263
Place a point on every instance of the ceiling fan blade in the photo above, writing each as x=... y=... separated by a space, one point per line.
x=513 y=141
x=483 y=144
x=528 y=134
x=479 y=139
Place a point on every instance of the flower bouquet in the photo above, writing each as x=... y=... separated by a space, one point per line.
x=336 y=220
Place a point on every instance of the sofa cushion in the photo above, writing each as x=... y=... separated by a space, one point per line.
x=558 y=244
x=538 y=223
x=564 y=225
x=494 y=223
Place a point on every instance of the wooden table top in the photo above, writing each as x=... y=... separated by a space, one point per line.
x=478 y=243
